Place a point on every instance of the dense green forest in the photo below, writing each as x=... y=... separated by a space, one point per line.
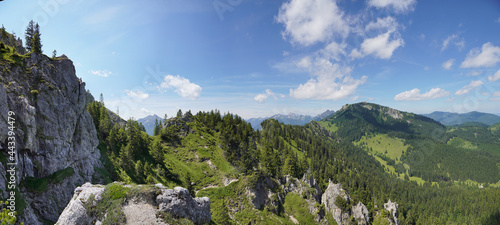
x=198 y=151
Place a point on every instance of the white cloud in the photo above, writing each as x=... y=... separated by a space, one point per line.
x=310 y=21
x=102 y=73
x=496 y=94
x=474 y=73
x=305 y=62
x=466 y=89
x=137 y=94
x=415 y=95
x=498 y=20
x=400 y=6
x=448 y=64
x=379 y=46
x=455 y=40
x=422 y=37
x=489 y=55
x=495 y=76
x=387 y=23
x=426 y=68
x=261 y=98
x=330 y=81
x=182 y=86
x=334 y=51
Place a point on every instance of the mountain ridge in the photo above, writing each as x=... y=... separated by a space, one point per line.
x=291 y=118
x=451 y=119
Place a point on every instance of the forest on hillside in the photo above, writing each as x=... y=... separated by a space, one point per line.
x=133 y=156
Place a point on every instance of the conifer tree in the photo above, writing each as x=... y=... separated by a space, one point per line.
x=30 y=32
x=37 y=42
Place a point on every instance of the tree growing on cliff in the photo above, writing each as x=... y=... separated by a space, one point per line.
x=32 y=36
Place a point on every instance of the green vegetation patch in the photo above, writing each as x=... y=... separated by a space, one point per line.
x=296 y=206
x=329 y=125
x=382 y=143
x=462 y=143
x=41 y=184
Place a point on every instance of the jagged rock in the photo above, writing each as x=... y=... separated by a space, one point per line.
x=53 y=130
x=360 y=214
x=180 y=204
x=328 y=198
x=261 y=194
x=75 y=212
x=392 y=207
x=139 y=208
x=313 y=184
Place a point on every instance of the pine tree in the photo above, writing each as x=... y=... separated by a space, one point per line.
x=54 y=54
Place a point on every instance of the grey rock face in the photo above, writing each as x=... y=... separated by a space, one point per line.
x=328 y=198
x=360 y=214
x=393 y=208
x=175 y=201
x=75 y=212
x=180 y=204
x=53 y=130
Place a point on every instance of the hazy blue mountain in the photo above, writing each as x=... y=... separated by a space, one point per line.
x=149 y=123
x=292 y=118
x=451 y=119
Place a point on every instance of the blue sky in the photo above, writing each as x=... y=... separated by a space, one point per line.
x=259 y=58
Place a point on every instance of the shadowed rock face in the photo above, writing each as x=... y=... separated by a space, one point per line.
x=53 y=130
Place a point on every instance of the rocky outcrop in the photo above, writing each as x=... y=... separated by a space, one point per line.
x=392 y=207
x=142 y=207
x=261 y=194
x=180 y=204
x=360 y=214
x=75 y=212
x=328 y=198
x=53 y=130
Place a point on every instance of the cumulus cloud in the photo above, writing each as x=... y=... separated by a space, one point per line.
x=495 y=76
x=466 y=89
x=101 y=73
x=330 y=81
x=387 y=23
x=455 y=40
x=415 y=95
x=182 y=86
x=496 y=94
x=381 y=46
x=310 y=21
x=448 y=64
x=489 y=55
x=137 y=94
x=261 y=98
x=399 y=6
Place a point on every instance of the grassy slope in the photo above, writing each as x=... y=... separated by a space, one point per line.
x=192 y=157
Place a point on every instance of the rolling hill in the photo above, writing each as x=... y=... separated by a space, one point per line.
x=451 y=119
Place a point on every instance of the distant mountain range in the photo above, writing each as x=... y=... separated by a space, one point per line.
x=291 y=119
x=452 y=119
x=149 y=123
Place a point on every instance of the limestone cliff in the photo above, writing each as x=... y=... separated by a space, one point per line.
x=54 y=133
